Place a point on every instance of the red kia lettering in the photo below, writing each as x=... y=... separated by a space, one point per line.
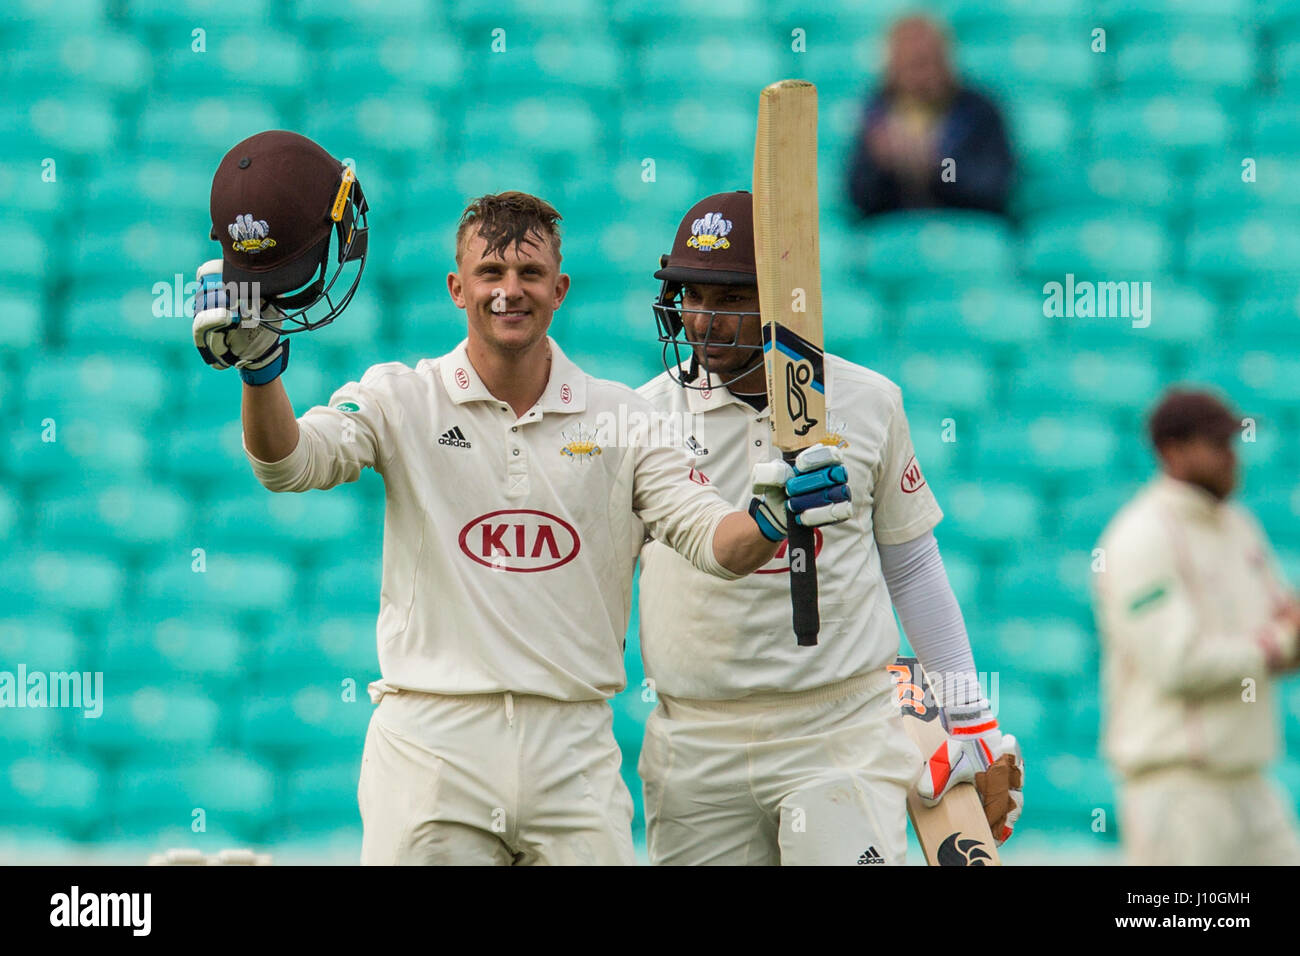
x=519 y=540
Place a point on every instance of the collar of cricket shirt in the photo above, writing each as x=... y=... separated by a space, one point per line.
x=1189 y=499
x=566 y=389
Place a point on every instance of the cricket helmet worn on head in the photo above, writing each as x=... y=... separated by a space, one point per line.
x=277 y=201
x=714 y=245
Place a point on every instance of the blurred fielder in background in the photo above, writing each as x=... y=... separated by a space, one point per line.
x=761 y=751
x=1196 y=624
x=492 y=740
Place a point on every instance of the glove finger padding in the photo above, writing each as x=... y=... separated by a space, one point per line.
x=1000 y=788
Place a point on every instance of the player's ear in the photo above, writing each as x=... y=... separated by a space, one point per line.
x=561 y=290
x=456 y=289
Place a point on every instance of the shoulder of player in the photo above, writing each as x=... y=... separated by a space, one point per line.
x=604 y=392
x=384 y=374
x=659 y=389
x=852 y=383
x=1136 y=531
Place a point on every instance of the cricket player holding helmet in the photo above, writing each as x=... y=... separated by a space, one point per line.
x=762 y=751
x=491 y=740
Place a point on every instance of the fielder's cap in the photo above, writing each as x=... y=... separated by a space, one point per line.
x=715 y=243
x=1183 y=414
x=275 y=198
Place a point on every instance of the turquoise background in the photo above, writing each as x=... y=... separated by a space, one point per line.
x=223 y=688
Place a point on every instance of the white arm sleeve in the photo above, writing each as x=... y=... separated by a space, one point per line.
x=919 y=589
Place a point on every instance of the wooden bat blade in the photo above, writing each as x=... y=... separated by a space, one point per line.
x=788 y=261
x=956 y=832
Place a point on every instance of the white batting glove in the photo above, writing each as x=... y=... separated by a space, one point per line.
x=815 y=491
x=226 y=335
x=977 y=752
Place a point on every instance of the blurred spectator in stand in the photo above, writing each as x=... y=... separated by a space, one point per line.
x=921 y=118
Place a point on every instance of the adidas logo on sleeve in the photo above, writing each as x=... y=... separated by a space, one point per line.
x=455 y=438
x=871 y=856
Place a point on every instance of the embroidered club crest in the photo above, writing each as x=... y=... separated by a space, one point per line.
x=250 y=235
x=709 y=233
x=580 y=443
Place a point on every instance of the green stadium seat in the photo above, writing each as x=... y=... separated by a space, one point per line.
x=73 y=386
x=24 y=310
x=305 y=714
x=140 y=319
x=321 y=794
x=23 y=254
x=1185 y=61
x=1098 y=380
x=1164 y=124
x=70 y=581
x=170 y=13
x=133 y=515
x=327 y=639
x=992 y=513
x=64 y=60
x=550 y=127
x=164 y=714
x=1268 y=320
x=1030 y=60
x=178 y=190
x=988 y=314
x=203 y=128
x=43 y=203
x=175 y=647
x=233 y=790
x=151 y=253
x=1218 y=13
x=689 y=130
x=32 y=12
x=1083 y=518
x=908 y=246
x=66 y=126
x=81 y=446
x=394 y=15
x=1043 y=131
x=1094 y=249
x=1219 y=188
x=1105 y=185
x=552 y=63
x=303 y=521
x=52 y=788
x=252 y=583
x=960 y=381
x=1048 y=647
x=1044 y=580
x=385 y=63
x=31 y=730
x=212 y=397
x=984 y=19
x=349 y=585
x=1018 y=706
x=261 y=59
x=674 y=64
x=655 y=18
x=1072 y=786
x=491 y=13
x=1066 y=443
x=1272 y=124
x=1237 y=248
x=42 y=642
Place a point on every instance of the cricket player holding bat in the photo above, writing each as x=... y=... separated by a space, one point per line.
x=762 y=751
x=1197 y=625
x=511 y=531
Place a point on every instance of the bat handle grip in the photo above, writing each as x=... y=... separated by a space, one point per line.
x=801 y=551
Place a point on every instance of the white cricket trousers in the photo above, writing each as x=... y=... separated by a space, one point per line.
x=492 y=779
x=1181 y=816
x=812 y=778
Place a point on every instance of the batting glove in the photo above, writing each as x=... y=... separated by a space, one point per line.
x=229 y=336
x=977 y=752
x=815 y=491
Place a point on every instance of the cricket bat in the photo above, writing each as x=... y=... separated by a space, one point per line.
x=790 y=302
x=956 y=832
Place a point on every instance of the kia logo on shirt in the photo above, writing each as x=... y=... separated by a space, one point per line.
x=519 y=540
x=779 y=564
x=911 y=480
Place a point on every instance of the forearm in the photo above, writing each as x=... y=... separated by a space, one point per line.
x=270 y=428
x=739 y=546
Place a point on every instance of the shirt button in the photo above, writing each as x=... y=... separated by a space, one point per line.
x=515 y=452
x=514 y=428
x=758 y=443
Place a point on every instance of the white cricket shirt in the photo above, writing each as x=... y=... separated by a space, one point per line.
x=706 y=638
x=509 y=544
x=1185 y=605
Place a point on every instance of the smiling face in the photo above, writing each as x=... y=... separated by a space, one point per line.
x=702 y=304
x=509 y=295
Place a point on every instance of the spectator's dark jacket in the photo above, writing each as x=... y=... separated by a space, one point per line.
x=972 y=133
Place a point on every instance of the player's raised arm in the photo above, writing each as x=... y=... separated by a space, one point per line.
x=266 y=287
